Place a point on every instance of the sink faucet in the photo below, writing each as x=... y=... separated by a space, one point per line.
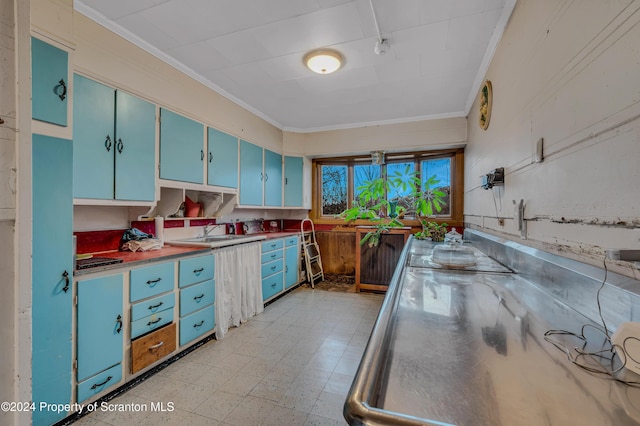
x=208 y=228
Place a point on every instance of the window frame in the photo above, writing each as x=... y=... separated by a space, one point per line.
x=455 y=218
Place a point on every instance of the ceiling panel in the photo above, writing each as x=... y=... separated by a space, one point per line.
x=252 y=51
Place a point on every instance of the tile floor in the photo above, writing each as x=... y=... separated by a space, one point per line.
x=291 y=365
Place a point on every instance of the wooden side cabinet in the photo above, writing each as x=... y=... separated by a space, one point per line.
x=375 y=265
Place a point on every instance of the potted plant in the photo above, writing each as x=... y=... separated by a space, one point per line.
x=431 y=230
x=381 y=202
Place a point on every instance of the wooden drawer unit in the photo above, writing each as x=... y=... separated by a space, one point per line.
x=98 y=383
x=272 y=267
x=150 y=323
x=152 y=347
x=272 y=245
x=152 y=306
x=195 y=270
x=151 y=280
x=196 y=324
x=197 y=297
x=272 y=285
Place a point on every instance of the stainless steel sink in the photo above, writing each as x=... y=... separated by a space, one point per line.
x=216 y=240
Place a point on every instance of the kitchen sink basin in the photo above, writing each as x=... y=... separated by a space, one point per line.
x=216 y=240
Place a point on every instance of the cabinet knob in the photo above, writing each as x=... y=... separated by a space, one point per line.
x=65 y=275
x=62 y=84
x=119 y=322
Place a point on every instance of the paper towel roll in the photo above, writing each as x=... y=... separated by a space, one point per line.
x=160 y=229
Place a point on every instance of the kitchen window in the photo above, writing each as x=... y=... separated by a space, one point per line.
x=337 y=181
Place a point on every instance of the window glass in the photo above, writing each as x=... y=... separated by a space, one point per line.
x=362 y=174
x=436 y=179
x=400 y=174
x=334 y=189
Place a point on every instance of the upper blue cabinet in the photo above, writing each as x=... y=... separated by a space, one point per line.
x=251 y=175
x=272 y=179
x=113 y=144
x=49 y=84
x=181 y=148
x=222 y=167
x=293 y=179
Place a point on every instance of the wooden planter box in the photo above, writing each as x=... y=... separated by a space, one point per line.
x=375 y=265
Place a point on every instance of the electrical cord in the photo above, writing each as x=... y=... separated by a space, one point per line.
x=594 y=361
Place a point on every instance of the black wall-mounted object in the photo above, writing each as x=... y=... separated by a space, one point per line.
x=493 y=178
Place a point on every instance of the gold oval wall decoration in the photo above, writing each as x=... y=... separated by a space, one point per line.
x=486 y=99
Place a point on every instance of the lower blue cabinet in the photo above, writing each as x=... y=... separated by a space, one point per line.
x=99 y=330
x=272 y=285
x=98 y=383
x=196 y=324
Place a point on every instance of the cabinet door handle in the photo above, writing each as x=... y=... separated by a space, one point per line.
x=152 y=282
x=261 y=176
x=273 y=256
x=119 y=322
x=156 y=306
x=273 y=285
x=266 y=177
x=198 y=324
x=197 y=298
x=210 y=157
x=273 y=268
x=65 y=275
x=157 y=345
x=120 y=146
x=286 y=269
x=107 y=143
x=197 y=271
x=155 y=322
x=286 y=181
x=201 y=155
x=97 y=385
x=62 y=84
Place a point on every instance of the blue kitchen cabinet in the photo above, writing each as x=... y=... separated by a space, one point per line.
x=272 y=179
x=181 y=148
x=251 y=174
x=113 y=143
x=222 y=168
x=52 y=272
x=99 y=330
x=291 y=262
x=293 y=181
x=49 y=81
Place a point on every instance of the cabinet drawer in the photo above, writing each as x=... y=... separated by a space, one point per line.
x=197 y=297
x=291 y=241
x=151 y=306
x=195 y=270
x=98 y=383
x=152 y=347
x=195 y=325
x=271 y=256
x=150 y=323
x=272 y=285
x=272 y=245
x=272 y=267
x=150 y=281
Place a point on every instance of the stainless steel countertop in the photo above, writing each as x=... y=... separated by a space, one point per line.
x=468 y=348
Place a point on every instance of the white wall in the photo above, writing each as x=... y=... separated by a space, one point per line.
x=418 y=135
x=567 y=72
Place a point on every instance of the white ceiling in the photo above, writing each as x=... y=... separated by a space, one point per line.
x=251 y=52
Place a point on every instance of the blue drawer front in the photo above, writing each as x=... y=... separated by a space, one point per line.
x=271 y=256
x=98 y=383
x=152 y=306
x=272 y=267
x=195 y=325
x=272 y=245
x=197 y=297
x=150 y=281
x=150 y=323
x=291 y=241
x=272 y=285
x=196 y=270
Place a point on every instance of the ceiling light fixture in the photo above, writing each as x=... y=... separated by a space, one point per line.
x=323 y=61
x=382 y=44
